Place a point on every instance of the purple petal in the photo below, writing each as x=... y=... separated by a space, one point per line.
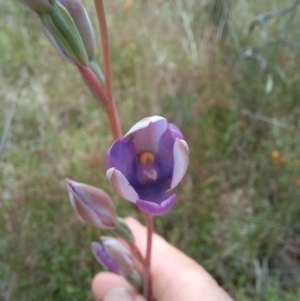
x=121 y=185
x=103 y=258
x=122 y=156
x=147 y=133
x=181 y=161
x=176 y=133
x=165 y=156
x=155 y=209
x=152 y=193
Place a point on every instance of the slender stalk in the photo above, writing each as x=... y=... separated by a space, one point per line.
x=110 y=106
x=114 y=121
x=113 y=118
x=147 y=275
x=105 y=46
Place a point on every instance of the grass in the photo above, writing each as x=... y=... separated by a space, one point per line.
x=238 y=207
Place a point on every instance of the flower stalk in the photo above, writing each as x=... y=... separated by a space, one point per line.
x=147 y=274
x=110 y=106
x=105 y=46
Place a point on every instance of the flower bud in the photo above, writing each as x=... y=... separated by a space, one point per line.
x=62 y=27
x=39 y=6
x=113 y=256
x=83 y=23
x=93 y=205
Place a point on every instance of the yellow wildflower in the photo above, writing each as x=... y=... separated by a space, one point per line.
x=277 y=158
x=127 y=4
x=275 y=154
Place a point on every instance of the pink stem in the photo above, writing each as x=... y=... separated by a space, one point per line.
x=110 y=107
x=112 y=114
x=147 y=275
x=105 y=46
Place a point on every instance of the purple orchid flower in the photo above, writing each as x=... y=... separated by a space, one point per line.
x=149 y=161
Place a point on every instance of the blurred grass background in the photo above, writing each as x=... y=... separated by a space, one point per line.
x=196 y=63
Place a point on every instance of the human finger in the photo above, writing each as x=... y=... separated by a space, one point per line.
x=104 y=282
x=175 y=276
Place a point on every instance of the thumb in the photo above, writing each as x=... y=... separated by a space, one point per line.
x=175 y=276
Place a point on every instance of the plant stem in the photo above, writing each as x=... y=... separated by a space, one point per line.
x=105 y=46
x=113 y=118
x=111 y=111
x=147 y=275
x=110 y=106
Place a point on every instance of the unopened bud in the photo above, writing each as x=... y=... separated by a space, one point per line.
x=92 y=204
x=83 y=23
x=113 y=256
x=39 y=6
x=62 y=27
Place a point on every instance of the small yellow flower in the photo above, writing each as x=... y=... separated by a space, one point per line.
x=277 y=158
x=127 y=4
x=275 y=154
x=298 y=163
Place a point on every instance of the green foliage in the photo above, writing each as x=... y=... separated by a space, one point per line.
x=238 y=207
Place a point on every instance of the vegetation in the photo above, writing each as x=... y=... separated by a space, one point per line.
x=196 y=63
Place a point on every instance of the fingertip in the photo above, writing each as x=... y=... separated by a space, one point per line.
x=104 y=282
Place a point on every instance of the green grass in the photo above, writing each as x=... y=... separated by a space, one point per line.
x=238 y=209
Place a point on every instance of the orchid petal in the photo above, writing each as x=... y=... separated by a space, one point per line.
x=181 y=161
x=147 y=133
x=155 y=209
x=115 y=158
x=121 y=185
x=176 y=133
x=144 y=123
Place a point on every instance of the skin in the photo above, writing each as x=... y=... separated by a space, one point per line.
x=175 y=276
